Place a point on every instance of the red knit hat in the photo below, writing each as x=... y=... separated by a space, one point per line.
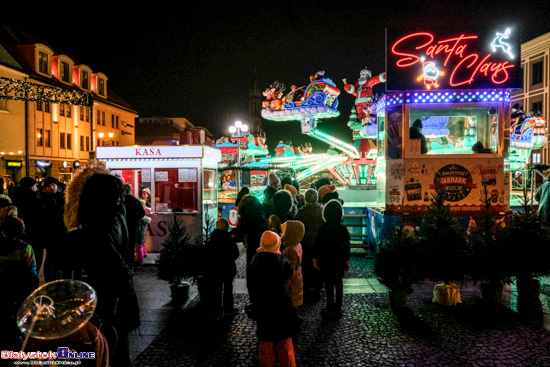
x=323 y=190
x=270 y=242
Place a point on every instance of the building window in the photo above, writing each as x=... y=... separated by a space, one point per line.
x=113 y=121
x=98 y=118
x=62 y=140
x=535 y=158
x=47 y=107
x=47 y=140
x=39 y=106
x=537 y=73
x=42 y=62
x=81 y=108
x=87 y=143
x=103 y=117
x=69 y=141
x=116 y=122
x=81 y=143
x=101 y=87
x=39 y=137
x=4 y=105
x=69 y=109
x=61 y=110
x=87 y=114
x=85 y=82
x=65 y=73
x=537 y=107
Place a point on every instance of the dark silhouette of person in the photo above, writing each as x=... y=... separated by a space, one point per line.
x=415 y=132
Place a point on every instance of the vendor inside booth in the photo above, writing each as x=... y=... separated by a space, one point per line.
x=170 y=179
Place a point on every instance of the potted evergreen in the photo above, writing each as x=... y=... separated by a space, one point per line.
x=398 y=266
x=530 y=238
x=490 y=255
x=179 y=260
x=446 y=249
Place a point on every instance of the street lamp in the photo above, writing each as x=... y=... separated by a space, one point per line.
x=238 y=128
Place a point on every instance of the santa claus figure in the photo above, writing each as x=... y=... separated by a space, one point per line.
x=362 y=90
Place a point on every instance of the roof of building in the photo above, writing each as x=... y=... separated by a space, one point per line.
x=11 y=37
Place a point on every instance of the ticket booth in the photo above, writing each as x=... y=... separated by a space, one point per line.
x=172 y=179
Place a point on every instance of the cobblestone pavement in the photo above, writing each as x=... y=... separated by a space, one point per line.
x=367 y=334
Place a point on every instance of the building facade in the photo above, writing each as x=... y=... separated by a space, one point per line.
x=43 y=138
x=170 y=130
x=534 y=94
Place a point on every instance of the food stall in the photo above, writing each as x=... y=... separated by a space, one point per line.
x=180 y=179
x=443 y=123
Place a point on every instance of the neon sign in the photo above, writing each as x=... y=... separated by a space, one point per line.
x=457 y=60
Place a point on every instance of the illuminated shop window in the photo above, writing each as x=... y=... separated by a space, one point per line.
x=176 y=189
x=468 y=130
x=210 y=189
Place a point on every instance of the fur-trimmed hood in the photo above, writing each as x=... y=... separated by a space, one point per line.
x=74 y=191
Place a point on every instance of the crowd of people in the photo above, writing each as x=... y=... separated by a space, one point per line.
x=90 y=230
x=93 y=230
x=296 y=244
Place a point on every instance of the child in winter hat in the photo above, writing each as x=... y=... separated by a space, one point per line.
x=292 y=233
x=270 y=242
x=327 y=193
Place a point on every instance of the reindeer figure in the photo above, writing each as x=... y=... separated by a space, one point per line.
x=261 y=141
x=274 y=96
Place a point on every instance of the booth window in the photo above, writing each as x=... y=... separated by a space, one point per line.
x=466 y=130
x=139 y=180
x=395 y=123
x=381 y=134
x=176 y=189
x=210 y=189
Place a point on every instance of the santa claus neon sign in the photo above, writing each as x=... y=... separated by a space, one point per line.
x=459 y=60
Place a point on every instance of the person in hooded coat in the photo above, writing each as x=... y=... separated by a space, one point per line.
x=96 y=250
x=275 y=316
x=312 y=217
x=252 y=223
x=292 y=232
x=331 y=255
x=284 y=206
x=18 y=276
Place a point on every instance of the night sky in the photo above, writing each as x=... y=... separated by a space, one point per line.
x=199 y=59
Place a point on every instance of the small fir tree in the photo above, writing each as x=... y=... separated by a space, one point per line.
x=490 y=254
x=446 y=245
x=176 y=260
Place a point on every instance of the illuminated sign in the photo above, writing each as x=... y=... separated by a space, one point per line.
x=14 y=164
x=427 y=60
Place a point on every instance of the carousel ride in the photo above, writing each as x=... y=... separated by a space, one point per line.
x=350 y=164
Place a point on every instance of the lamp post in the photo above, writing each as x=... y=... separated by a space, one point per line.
x=238 y=128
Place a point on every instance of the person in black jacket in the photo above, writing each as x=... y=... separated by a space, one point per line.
x=331 y=255
x=222 y=253
x=96 y=255
x=25 y=198
x=133 y=212
x=274 y=313
x=52 y=227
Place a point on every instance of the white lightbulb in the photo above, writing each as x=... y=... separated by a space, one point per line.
x=232 y=129
x=244 y=128
x=238 y=124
